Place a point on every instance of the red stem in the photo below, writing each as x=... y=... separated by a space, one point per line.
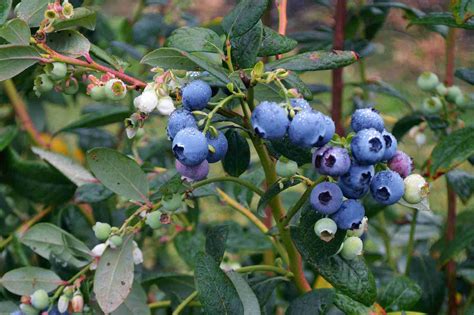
x=337 y=80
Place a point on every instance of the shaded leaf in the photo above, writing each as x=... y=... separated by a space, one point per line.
x=15 y=59
x=70 y=43
x=245 y=47
x=244 y=16
x=294 y=81
x=188 y=245
x=462 y=183
x=7 y=134
x=98 y=119
x=274 y=190
x=5 y=7
x=16 y=32
x=8 y=307
x=349 y=306
x=381 y=87
x=312 y=303
x=400 y=294
x=192 y=39
x=216 y=238
x=315 y=60
x=263 y=289
x=91 y=193
x=287 y=149
x=404 y=124
x=26 y=280
x=135 y=303
x=274 y=43
x=458 y=244
x=442 y=18
x=32 y=11
x=465 y=74
x=246 y=295
x=82 y=17
x=237 y=159
x=172 y=284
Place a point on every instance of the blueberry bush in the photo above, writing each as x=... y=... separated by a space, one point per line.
x=193 y=169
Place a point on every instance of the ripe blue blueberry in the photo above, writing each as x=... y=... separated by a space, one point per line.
x=366 y=118
x=387 y=187
x=307 y=128
x=330 y=129
x=368 y=146
x=355 y=183
x=390 y=145
x=220 y=145
x=193 y=173
x=55 y=311
x=178 y=120
x=300 y=103
x=196 y=95
x=401 y=163
x=332 y=161
x=270 y=121
x=326 y=198
x=190 y=146
x=350 y=215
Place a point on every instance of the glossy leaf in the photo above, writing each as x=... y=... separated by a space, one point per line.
x=70 y=43
x=16 y=32
x=91 y=193
x=246 y=295
x=5 y=7
x=295 y=82
x=274 y=43
x=15 y=59
x=135 y=303
x=465 y=74
x=216 y=238
x=82 y=17
x=274 y=190
x=114 y=276
x=32 y=11
x=119 y=173
x=47 y=239
x=244 y=16
x=349 y=306
x=312 y=303
x=452 y=150
x=237 y=158
x=98 y=119
x=7 y=134
x=245 y=47
x=404 y=124
x=462 y=183
x=442 y=18
x=400 y=294
x=315 y=60
x=192 y=39
x=26 y=280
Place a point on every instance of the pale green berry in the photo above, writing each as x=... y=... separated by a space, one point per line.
x=351 y=248
x=116 y=241
x=115 y=90
x=432 y=105
x=325 y=229
x=173 y=203
x=102 y=230
x=97 y=93
x=70 y=86
x=441 y=89
x=286 y=168
x=363 y=226
x=27 y=309
x=461 y=100
x=427 y=81
x=416 y=188
x=63 y=303
x=56 y=70
x=453 y=92
x=43 y=83
x=153 y=219
x=40 y=299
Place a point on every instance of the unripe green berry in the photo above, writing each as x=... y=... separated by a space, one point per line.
x=102 y=231
x=416 y=188
x=115 y=89
x=97 y=93
x=116 y=241
x=40 y=299
x=432 y=105
x=351 y=248
x=27 y=309
x=441 y=89
x=453 y=92
x=427 y=81
x=173 y=203
x=325 y=229
x=70 y=86
x=43 y=83
x=286 y=168
x=461 y=100
x=56 y=70
x=153 y=219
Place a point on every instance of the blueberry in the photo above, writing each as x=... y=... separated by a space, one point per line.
x=427 y=81
x=190 y=146
x=350 y=215
x=355 y=183
x=416 y=188
x=286 y=168
x=452 y=93
x=55 y=311
x=116 y=241
x=196 y=95
x=40 y=299
x=368 y=146
x=432 y=105
x=330 y=129
x=332 y=161
x=325 y=229
x=300 y=103
x=366 y=118
x=56 y=70
x=307 y=128
x=351 y=248
x=102 y=230
x=193 y=173
x=220 y=145
x=326 y=198
x=178 y=120
x=153 y=219
x=390 y=145
x=270 y=121
x=387 y=187
x=401 y=163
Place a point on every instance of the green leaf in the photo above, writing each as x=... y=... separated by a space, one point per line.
x=118 y=173
x=173 y=58
x=294 y=81
x=8 y=307
x=70 y=43
x=82 y=17
x=172 y=284
x=263 y=289
x=26 y=280
x=459 y=8
x=442 y=18
x=114 y=276
x=98 y=119
x=400 y=294
x=452 y=150
x=246 y=295
x=47 y=239
x=458 y=244
x=462 y=183
x=237 y=159
x=274 y=190
x=193 y=39
x=312 y=303
x=5 y=7
x=404 y=124
x=349 y=306
x=35 y=180
x=465 y=74
x=188 y=245
x=92 y=193
x=15 y=59
x=135 y=303
x=32 y=11
x=244 y=16
x=381 y=87
x=245 y=47
x=7 y=134
x=274 y=43
x=315 y=61
x=216 y=238
x=217 y=293
x=16 y=32
x=287 y=149
x=75 y=172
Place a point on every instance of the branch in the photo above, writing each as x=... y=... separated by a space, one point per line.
x=237 y=180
